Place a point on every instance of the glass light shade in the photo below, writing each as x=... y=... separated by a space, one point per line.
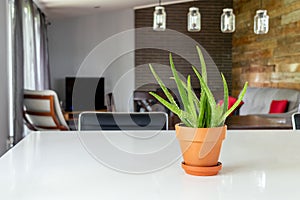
x=227 y=21
x=261 y=22
x=194 y=20
x=159 y=19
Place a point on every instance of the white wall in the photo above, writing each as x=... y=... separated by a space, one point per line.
x=72 y=40
x=3 y=79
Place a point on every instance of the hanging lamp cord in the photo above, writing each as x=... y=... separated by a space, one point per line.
x=159 y=2
x=260 y=3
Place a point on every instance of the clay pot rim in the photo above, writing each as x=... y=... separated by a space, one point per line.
x=185 y=133
x=182 y=125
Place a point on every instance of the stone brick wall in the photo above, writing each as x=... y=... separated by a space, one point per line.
x=217 y=44
x=271 y=60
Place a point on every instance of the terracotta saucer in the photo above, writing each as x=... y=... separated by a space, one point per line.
x=201 y=171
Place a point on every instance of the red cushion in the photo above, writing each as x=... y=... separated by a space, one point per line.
x=231 y=101
x=278 y=106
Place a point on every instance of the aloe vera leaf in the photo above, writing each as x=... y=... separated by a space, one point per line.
x=202 y=101
x=211 y=100
x=192 y=109
x=235 y=105
x=186 y=119
x=203 y=64
x=225 y=99
x=195 y=98
x=218 y=115
x=208 y=113
x=201 y=119
x=209 y=94
x=163 y=87
x=172 y=107
x=181 y=89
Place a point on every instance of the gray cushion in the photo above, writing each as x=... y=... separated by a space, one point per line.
x=258 y=100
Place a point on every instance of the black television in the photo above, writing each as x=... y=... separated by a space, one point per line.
x=84 y=93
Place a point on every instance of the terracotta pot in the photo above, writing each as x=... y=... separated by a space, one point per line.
x=200 y=149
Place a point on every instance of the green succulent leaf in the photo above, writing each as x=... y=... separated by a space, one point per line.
x=225 y=99
x=203 y=64
x=191 y=105
x=194 y=96
x=236 y=104
x=203 y=101
x=184 y=116
x=180 y=87
x=163 y=87
x=173 y=107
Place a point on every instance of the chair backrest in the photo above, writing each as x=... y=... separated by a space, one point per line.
x=42 y=111
x=296 y=121
x=122 y=121
x=110 y=102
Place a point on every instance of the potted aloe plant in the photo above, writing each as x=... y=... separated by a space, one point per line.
x=202 y=129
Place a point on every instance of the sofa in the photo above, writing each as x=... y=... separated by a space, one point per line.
x=257 y=101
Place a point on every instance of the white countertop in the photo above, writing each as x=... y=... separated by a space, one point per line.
x=257 y=165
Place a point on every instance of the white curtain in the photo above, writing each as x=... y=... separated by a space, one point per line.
x=36 y=64
x=15 y=72
x=28 y=63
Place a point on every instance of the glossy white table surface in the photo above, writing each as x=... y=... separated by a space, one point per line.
x=257 y=165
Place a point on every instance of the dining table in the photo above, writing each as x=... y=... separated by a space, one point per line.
x=256 y=165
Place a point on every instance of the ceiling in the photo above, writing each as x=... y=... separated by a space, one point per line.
x=72 y=8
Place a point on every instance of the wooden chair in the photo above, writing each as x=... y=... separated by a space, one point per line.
x=42 y=111
x=122 y=121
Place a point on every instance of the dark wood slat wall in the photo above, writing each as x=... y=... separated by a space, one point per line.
x=217 y=44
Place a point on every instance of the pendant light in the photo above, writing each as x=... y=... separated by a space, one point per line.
x=261 y=21
x=194 y=20
x=159 y=18
x=227 y=21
